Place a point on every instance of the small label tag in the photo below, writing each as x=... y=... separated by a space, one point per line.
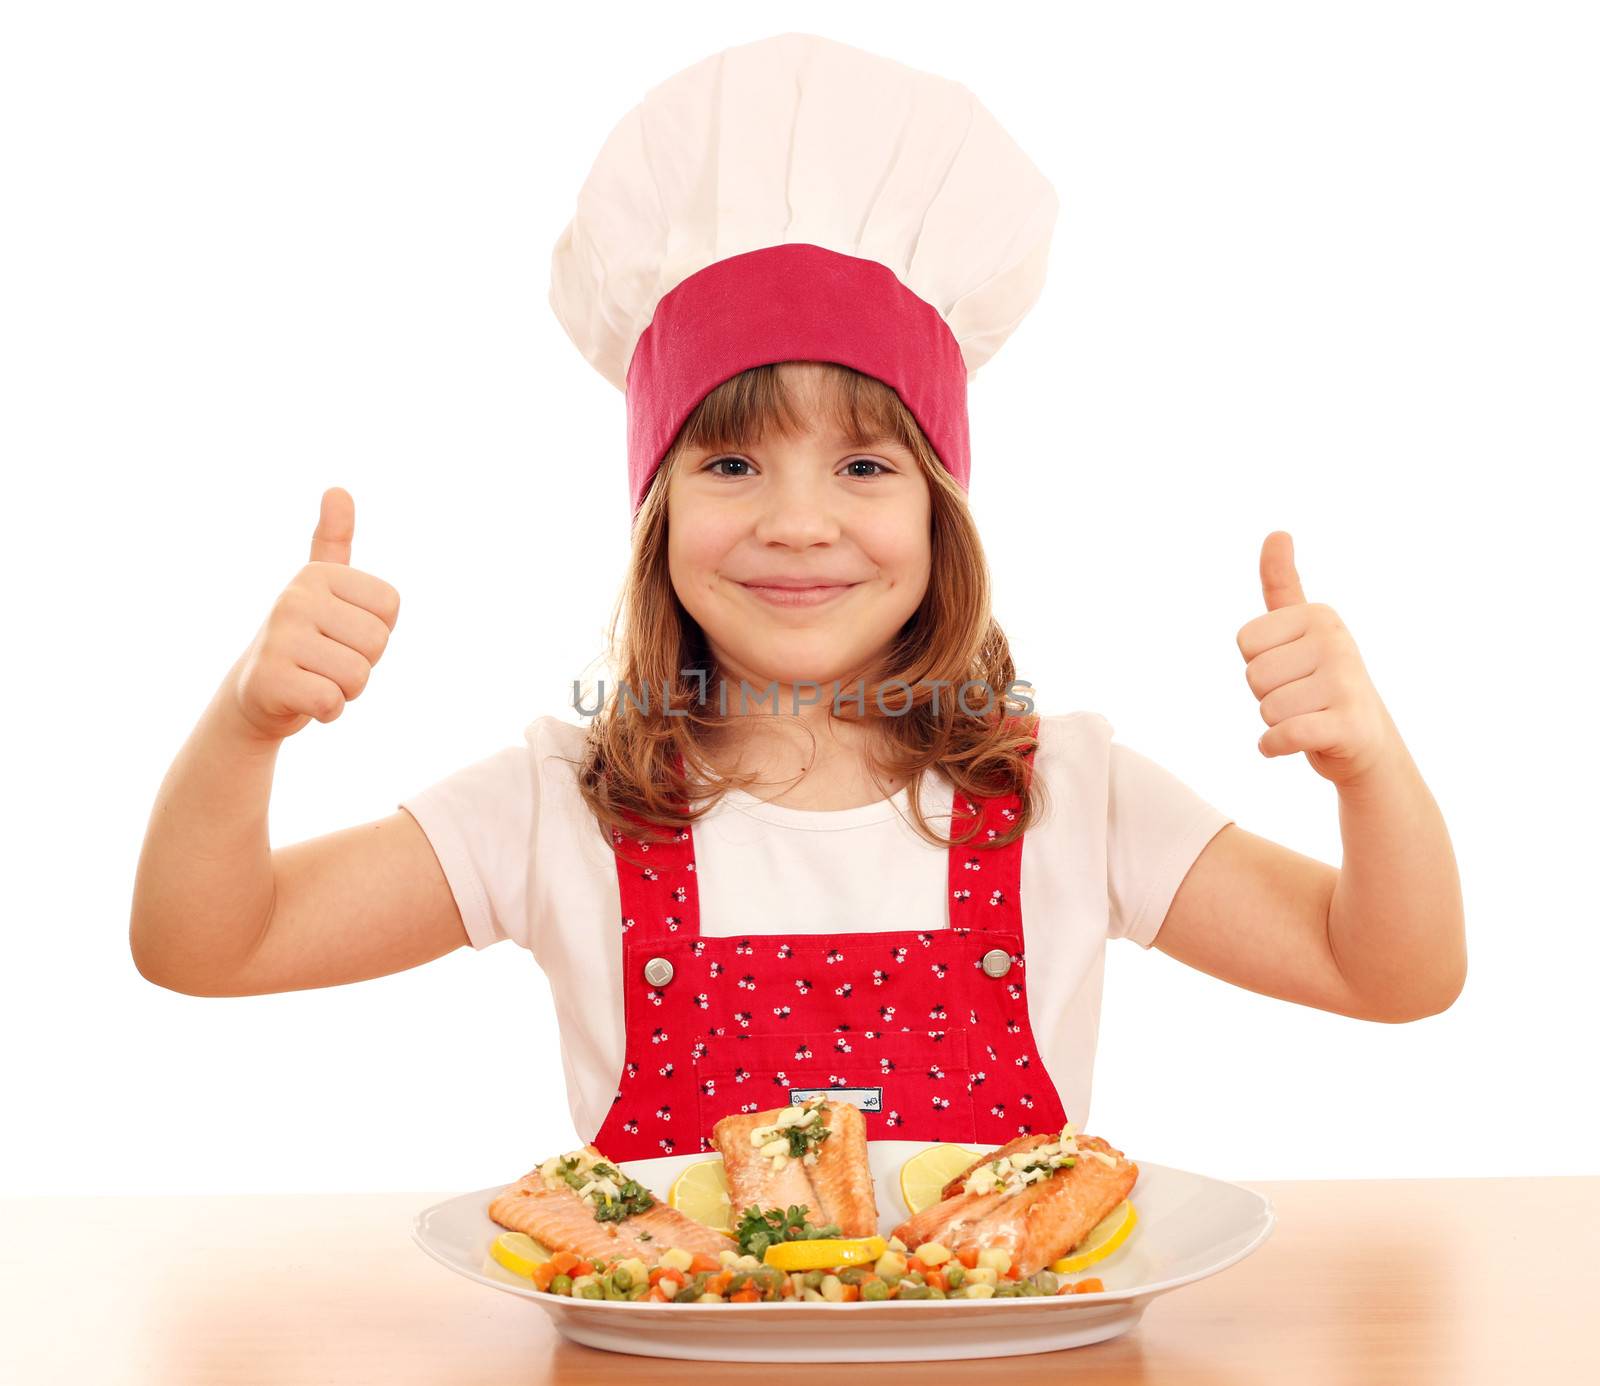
x=868 y=1099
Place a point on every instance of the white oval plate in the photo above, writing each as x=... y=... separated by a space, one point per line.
x=1189 y=1227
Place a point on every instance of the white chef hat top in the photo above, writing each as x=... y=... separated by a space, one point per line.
x=796 y=198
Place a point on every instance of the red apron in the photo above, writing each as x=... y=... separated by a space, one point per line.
x=925 y=1031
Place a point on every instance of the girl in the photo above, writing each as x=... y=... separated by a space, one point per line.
x=815 y=838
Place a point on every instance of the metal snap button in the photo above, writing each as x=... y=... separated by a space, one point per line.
x=658 y=972
x=996 y=962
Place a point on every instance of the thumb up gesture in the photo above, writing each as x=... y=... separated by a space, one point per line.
x=1303 y=666
x=326 y=630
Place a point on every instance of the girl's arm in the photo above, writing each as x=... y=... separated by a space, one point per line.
x=216 y=912
x=1382 y=939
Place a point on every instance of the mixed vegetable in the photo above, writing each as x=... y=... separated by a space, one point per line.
x=740 y=1277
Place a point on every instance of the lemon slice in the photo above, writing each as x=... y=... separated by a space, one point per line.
x=928 y=1171
x=822 y=1253
x=701 y=1193
x=518 y=1252
x=1104 y=1238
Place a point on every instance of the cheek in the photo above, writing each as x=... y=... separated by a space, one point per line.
x=902 y=552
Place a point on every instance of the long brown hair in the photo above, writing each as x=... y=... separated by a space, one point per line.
x=630 y=765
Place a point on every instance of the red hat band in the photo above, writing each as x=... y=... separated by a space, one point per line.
x=792 y=302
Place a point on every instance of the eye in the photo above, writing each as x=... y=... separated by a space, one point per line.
x=883 y=469
x=718 y=461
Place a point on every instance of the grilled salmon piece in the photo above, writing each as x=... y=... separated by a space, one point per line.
x=1046 y=1220
x=940 y=1221
x=838 y=1188
x=752 y=1181
x=841 y=1176
x=668 y=1227
x=560 y=1220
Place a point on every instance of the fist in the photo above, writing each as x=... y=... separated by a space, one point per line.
x=1303 y=666
x=326 y=630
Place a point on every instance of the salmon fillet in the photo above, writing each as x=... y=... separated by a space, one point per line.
x=562 y=1221
x=940 y=1221
x=842 y=1177
x=838 y=1188
x=752 y=1182
x=1046 y=1220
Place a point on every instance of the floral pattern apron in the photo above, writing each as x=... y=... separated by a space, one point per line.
x=925 y=1031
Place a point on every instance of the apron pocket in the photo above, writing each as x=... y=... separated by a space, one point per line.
x=909 y=1085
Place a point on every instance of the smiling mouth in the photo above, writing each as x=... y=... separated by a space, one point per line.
x=798 y=596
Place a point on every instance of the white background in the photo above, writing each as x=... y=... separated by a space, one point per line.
x=1329 y=269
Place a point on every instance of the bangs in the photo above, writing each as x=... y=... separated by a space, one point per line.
x=854 y=410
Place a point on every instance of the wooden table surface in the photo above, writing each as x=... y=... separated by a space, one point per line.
x=1456 y=1281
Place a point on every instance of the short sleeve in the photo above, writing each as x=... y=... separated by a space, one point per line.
x=1156 y=827
x=481 y=821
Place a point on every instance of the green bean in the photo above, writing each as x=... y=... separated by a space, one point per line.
x=954 y=1275
x=908 y=1290
x=688 y=1294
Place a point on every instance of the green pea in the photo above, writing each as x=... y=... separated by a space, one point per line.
x=954 y=1274
x=874 y=1290
x=622 y=1277
x=851 y=1275
x=934 y=1292
x=561 y=1285
x=891 y=1278
x=813 y=1280
x=591 y=1291
x=609 y=1286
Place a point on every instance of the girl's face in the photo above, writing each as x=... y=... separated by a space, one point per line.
x=800 y=558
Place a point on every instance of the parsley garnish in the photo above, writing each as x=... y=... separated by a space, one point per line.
x=757 y=1230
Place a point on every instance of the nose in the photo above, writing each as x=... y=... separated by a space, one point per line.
x=797 y=511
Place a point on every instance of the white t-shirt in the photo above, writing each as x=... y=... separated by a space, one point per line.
x=527 y=863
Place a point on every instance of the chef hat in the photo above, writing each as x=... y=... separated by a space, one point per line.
x=799 y=199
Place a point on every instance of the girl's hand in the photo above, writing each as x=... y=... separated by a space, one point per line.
x=1315 y=693
x=325 y=632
